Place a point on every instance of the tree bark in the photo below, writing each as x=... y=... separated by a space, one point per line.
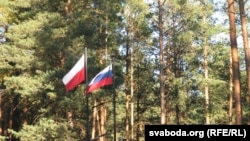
x=102 y=120
x=131 y=94
x=94 y=120
x=168 y=77
x=245 y=42
x=127 y=85
x=230 y=102
x=235 y=62
x=11 y=122
x=205 y=66
x=162 y=94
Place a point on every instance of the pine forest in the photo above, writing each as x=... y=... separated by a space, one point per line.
x=174 y=62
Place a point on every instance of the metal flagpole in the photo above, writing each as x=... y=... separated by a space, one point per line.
x=87 y=96
x=114 y=98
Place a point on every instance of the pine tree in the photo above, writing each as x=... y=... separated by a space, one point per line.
x=235 y=62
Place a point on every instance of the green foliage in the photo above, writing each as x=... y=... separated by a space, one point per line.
x=44 y=42
x=44 y=129
x=3 y=138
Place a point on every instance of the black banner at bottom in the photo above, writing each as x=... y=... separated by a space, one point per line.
x=196 y=132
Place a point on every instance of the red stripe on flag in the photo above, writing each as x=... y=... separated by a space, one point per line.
x=76 y=80
x=103 y=82
x=75 y=76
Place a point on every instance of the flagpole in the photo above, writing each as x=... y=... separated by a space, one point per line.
x=87 y=96
x=114 y=98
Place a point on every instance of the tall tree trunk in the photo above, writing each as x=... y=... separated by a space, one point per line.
x=137 y=115
x=205 y=66
x=245 y=41
x=235 y=62
x=176 y=68
x=127 y=117
x=230 y=102
x=11 y=122
x=138 y=105
x=206 y=84
x=131 y=94
x=102 y=120
x=94 y=120
x=168 y=76
x=25 y=115
x=99 y=124
x=162 y=94
x=127 y=85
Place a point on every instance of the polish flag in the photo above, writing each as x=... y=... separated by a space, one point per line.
x=103 y=78
x=75 y=76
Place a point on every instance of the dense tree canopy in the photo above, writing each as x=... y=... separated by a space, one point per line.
x=40 y=41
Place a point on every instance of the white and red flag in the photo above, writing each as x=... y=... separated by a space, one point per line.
x=75 y=76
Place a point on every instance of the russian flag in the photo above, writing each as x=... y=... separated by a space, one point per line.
x=75 y=76
x=103 y=78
